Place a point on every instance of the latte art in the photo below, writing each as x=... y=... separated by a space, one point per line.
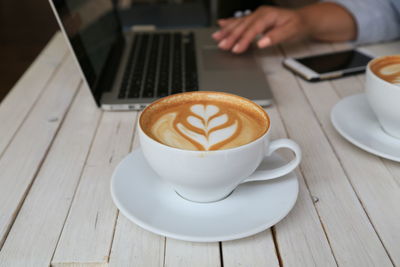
x=388 y=69
x=205 y=124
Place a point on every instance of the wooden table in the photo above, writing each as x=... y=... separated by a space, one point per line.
x=58 y=151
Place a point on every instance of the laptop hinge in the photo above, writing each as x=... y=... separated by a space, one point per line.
x=143 y=28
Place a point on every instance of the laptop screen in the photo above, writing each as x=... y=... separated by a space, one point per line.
x=93 y=30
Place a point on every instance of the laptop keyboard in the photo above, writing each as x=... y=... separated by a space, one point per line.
x=160 y=64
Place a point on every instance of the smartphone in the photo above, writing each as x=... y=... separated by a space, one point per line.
x=330 y=65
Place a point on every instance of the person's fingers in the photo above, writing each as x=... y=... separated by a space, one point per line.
x=230 y=40
x=258 y=26
x=278 y=35
x=265 y=41
x=224 y=31
x=216 y=35
x=224 y=22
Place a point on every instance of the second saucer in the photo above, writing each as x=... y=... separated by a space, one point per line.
x=354 y=119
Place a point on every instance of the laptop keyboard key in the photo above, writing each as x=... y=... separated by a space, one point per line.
x=160 y=64
x=191 y=83
x=134 y=94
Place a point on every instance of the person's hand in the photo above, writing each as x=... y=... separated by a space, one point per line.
x=274 y=24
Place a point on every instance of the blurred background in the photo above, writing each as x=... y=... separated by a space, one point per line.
x=27 y=25
x=25 y=28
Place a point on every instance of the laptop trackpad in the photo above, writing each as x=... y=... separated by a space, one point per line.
x=217 y=60
x=236 y=74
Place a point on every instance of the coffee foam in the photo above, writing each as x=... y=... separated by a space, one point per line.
x=387 y=68
x=204 y=121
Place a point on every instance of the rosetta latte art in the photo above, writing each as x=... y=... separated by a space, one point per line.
x=388 y=69
x=204 y=121
x=207 y=126
x=391 y=73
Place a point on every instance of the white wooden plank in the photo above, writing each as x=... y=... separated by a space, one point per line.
x=270 y=59
x=17 y=104
x=136 y=247
x=361 y=80
x=394 y=168
x=342 y=46
x=24 y=155
x=319 y=47
x=136 y=142
x=295 y=49
x=383 y=49
x=256 y=250
x=35 y=232
x=144 y=248
x=89 y=229
x=347 y=86
x=300 y=238
x=182 y=254
x=351 y=235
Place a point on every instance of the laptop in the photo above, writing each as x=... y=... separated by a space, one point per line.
x=129 y=70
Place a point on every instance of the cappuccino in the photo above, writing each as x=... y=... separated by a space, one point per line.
x=204 y=121
x=383 y=92
x=387 y=68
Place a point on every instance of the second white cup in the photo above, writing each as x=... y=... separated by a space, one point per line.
x=384 y=97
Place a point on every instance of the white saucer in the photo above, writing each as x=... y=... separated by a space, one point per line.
x=354 y=120
x=152 y=204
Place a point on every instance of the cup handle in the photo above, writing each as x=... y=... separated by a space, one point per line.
x=280 y=171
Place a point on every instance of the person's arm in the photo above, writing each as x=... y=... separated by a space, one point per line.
x=377 y=20
x=329 y=22
x=321 y=21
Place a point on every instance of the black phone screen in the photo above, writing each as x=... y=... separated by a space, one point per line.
x=350 y=59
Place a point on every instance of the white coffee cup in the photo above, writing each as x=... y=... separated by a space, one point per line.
x=207 y=176
x=384 y=99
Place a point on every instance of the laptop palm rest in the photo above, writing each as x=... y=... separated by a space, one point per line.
x=238 y=74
